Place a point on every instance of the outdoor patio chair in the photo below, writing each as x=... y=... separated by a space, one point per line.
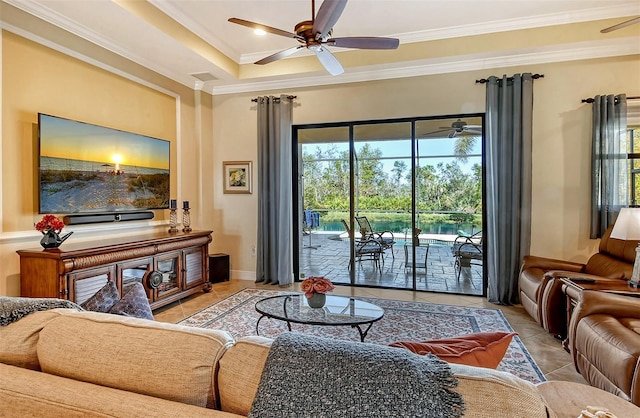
x=365 y=249
x=383 y=237
x=467 y=250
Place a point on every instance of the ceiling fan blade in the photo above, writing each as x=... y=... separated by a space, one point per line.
x=265 y=28
x=464 y=134
x=621 y=25
x=279 y=55
x=329 y=61
x=328 y=15
x=365 y=42
x=426 y=134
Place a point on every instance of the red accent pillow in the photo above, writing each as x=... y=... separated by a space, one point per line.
x=482 y=349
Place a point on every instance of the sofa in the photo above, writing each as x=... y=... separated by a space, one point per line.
x=604 y=339
x=541 y=292
x=68 y=363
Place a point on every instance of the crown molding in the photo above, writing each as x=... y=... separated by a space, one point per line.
x=176 y=14
x=74 y=54
x=472 y=62
x=504 y=25
x=56 y=19
x=557 y=53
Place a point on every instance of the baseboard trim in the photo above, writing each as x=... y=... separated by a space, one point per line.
x=243 y=275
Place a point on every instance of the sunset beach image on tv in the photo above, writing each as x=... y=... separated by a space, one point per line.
x=86 y=168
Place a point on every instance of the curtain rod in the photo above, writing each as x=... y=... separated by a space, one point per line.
x=591 y=99
x=486 y=80
x=277 y=98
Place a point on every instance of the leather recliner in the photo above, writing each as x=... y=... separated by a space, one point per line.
x=604 y=339
x=540 y=289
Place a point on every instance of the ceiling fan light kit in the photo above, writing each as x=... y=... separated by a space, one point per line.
x=315 y=35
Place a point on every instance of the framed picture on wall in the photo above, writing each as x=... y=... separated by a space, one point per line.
x=237 y=176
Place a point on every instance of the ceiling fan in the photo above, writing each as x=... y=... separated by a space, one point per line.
x=621 y=25
x=315 y=35
x=458 y=128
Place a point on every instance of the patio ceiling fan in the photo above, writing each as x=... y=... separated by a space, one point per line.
x=458 y=128
x=315 y=35
x=621 y=25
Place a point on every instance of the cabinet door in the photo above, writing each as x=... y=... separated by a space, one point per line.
x=169 y=265
x=195 y=262
x=84 y=284
x=135 y=271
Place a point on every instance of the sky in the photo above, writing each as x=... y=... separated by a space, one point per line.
x=64 y=138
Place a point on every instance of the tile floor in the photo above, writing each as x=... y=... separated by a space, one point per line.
x=547 y=351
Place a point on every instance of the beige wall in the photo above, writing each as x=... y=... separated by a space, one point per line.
x=38 y=79
x=561 y=141
x=206 y=131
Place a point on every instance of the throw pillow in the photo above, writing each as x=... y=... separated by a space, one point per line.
x=103 y=299
x=482 y=349
x=133 y=303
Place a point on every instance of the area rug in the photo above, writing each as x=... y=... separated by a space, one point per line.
x=409 y=321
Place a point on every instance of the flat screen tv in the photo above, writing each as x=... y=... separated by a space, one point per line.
x=85 y=168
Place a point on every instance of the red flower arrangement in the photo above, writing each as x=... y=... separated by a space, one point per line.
x=316 y=284
x=49 y=222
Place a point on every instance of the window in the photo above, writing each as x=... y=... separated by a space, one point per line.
x=634 y=164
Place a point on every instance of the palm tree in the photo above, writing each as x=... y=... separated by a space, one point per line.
x=464 y=144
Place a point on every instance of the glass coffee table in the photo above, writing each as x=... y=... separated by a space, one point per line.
x=337 y=311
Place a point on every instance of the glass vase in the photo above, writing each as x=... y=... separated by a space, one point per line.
x=186 y=220
x=173 y=221
x=317 y=300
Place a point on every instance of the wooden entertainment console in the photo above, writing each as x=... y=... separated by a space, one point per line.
x=169 y=265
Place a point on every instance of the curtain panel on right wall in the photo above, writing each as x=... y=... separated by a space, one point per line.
x=609 y=162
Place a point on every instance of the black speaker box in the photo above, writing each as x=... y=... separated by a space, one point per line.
x=218 y=268
x=92 y=218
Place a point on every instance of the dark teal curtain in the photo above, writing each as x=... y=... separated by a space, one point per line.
x=609 y=171
x=274 y=252
x=508 y=191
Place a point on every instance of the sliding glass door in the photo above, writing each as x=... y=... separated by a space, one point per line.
x=395 y=203
x=448 y=199
x=322 y=202
x=381 y=199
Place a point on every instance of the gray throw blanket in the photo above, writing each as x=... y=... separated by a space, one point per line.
x=12 y=309
x=307 y=376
